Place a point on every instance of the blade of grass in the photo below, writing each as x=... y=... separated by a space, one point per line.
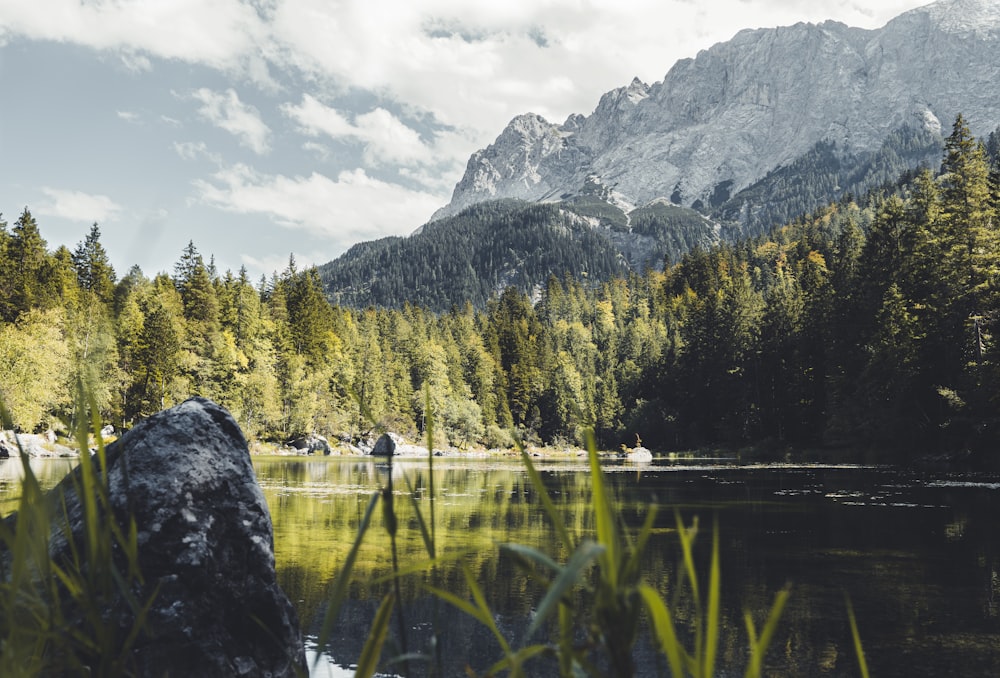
x=550 y=510
x=424 y=533
x=372 y=650
x=532 y=555
x=430 y=458
x=343 y=580
x=480 y=615
x=568 y=577
x=758 y=646
x=423 y=566
x=712 y=617
x=686 y=537
x=631 y=569
x=666 y=634
x=859 y=651
x=515 y=661
x=603 y=514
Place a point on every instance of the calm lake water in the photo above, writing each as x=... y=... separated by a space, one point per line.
x=918 y=554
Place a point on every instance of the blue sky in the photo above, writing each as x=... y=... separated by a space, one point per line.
x=264 y=128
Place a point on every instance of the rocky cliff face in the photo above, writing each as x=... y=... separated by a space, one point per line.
x=723 y=120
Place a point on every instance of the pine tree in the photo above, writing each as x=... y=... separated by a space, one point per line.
x=93 y=267
x=26 y=267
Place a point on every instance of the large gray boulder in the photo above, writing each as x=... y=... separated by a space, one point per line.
x=386 y=445
x=206 y=542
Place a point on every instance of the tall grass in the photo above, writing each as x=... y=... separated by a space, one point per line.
x=603 y=571
x=55 y=603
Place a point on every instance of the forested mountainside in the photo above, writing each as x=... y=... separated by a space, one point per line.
x=824 y=174
x=493 y=245
x=868 y=324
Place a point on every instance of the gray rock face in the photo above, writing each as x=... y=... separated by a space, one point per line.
x=33 y=445
x=386 y=444
x=750 y=105
x=311 y=444
x=205 y=539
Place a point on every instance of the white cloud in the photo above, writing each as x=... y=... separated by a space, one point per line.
x=223 y=34
x=79 y=206
x=345 y=210
x=225 y=110
x=195 y=150
x=321 y=151
x=135 y=62
x=128 y=116
x=387 y=140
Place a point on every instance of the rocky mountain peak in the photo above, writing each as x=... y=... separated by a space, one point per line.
x=741 y=109
x=979 y=17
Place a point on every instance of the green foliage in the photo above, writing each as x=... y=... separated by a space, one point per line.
x=824 y=174
x=54 y=611
x=844 y=326
x=469 y=257
x=34 y=359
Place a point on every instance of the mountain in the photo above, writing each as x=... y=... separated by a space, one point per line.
x=748 y=135
x=491 y=245
x=723 y=131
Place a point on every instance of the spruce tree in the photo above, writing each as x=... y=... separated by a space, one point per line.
x=93 y=267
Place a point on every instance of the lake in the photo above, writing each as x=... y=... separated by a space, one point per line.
x=917 y=554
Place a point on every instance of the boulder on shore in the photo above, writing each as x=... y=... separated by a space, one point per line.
x=311 y=444
x=34 y=445
x=639 y=453
x=386 y=445
x=205 y=542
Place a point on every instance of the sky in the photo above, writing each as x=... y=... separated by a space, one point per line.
x=264 y=129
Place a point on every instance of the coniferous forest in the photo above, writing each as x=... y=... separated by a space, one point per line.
x=870 y=324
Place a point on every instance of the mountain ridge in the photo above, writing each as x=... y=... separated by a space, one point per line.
x=746 y=136
x=745 y=107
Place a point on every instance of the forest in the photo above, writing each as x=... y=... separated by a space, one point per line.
x=869 y=324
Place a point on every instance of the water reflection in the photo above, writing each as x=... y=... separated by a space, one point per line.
x=48 y=471
x=919 y=557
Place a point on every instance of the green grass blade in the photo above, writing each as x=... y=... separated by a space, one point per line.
x=477 y=595
x=424 y=532
x=422 y=566
x=532 y=555
x=568 y=577
x=480 y=614
x=631 y=569
x=603 y=514
x=461 y=603
x=758 y=646
x=372 y=650
x=339 y=592
x=550 y=510
x=712 y=617
x=429 y=413
x=663 y=625
x=859 y=651
x=515 y=661
x=686 y=536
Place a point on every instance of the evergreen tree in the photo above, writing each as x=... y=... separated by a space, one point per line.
x=93 y=267
x=25 y=268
